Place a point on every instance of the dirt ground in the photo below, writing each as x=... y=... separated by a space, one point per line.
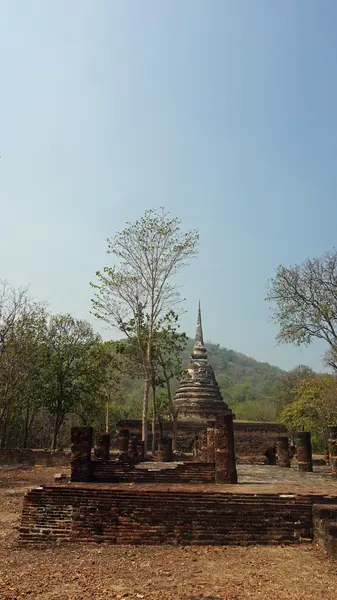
x=151 y=572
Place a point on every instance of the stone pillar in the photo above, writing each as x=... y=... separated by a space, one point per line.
x=81 y=443
x=124 y=436
x=282 y=450
x=102 y=446
x=225 y=463
x=165 y=450
x=332 y=433
x=211 y=443
x=303 y=451
x=133 y=452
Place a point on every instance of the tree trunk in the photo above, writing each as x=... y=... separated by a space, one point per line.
x=59 y=417
x=26 y=429
x=173 y=412
x=55 y=434
x=107 y=417
x=154 y=420
x=4 y=439
x=145 y=412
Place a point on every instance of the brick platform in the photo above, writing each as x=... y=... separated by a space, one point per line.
x=124 y=515
x=185 y=472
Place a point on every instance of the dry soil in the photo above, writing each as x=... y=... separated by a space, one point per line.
x=151 y=572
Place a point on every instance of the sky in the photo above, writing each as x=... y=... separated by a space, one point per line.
x=222 y=111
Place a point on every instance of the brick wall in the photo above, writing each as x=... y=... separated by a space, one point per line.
x=128 y=516
x=46 y=458
x=251 y=439
x=17 y=456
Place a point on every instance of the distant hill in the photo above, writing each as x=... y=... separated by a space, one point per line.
x=247 y=385
x=250 y=387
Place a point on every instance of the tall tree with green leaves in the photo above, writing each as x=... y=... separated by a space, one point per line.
x=313 y=408
x=73 y=367
x=168 y=346
x=148 y=254
x=21 y=325
x=304 y=303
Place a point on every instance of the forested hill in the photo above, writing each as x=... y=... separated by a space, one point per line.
x=247 y=385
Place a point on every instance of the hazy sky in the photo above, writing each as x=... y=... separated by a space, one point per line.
x=223 y=111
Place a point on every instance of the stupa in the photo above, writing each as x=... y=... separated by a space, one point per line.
x=198 y=395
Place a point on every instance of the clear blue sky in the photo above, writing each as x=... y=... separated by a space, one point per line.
x=223 y=111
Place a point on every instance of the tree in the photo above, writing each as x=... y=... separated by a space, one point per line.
x=314 y=407
x=168 y=346
x=74 y=367
x=305 y=302
x=21 y=325
x=288 y=381
x=149 y=253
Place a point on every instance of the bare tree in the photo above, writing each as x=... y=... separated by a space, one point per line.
x=304 y=299
x=149 y=253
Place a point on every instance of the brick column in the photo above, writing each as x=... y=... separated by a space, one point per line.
x=124 y=436
x=165 y=450
x=203 y=445
x=102 y=446
x=211 y=443
x=133 y=452
x=140 y=451
x=304 y=452
x=282 y=451
x=81 y=443
x=225 y=463
x=332 y=433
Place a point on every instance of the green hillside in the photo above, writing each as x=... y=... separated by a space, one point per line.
x=249 y=387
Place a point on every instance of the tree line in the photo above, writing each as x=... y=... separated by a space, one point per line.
x=56 y=371
x=303 y=298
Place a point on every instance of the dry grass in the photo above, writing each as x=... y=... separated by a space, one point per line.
x=151 y=572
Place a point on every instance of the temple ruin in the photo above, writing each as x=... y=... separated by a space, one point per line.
x=198 y=396
x=192 y=498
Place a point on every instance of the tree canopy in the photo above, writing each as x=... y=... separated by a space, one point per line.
x=304 y=302
x=313 y=407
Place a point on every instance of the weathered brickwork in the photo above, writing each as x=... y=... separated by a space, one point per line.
x=187 y=472
x=304 y=451
x=47 y=458
x=102 y=446
x=282 y=450
x=125 y=516
x=325 y=527
x=17 y=456
x=251 y=439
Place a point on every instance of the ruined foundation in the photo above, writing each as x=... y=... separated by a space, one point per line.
x=125 y=516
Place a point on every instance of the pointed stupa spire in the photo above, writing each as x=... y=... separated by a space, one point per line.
x=199 y=350
x=198 y=395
